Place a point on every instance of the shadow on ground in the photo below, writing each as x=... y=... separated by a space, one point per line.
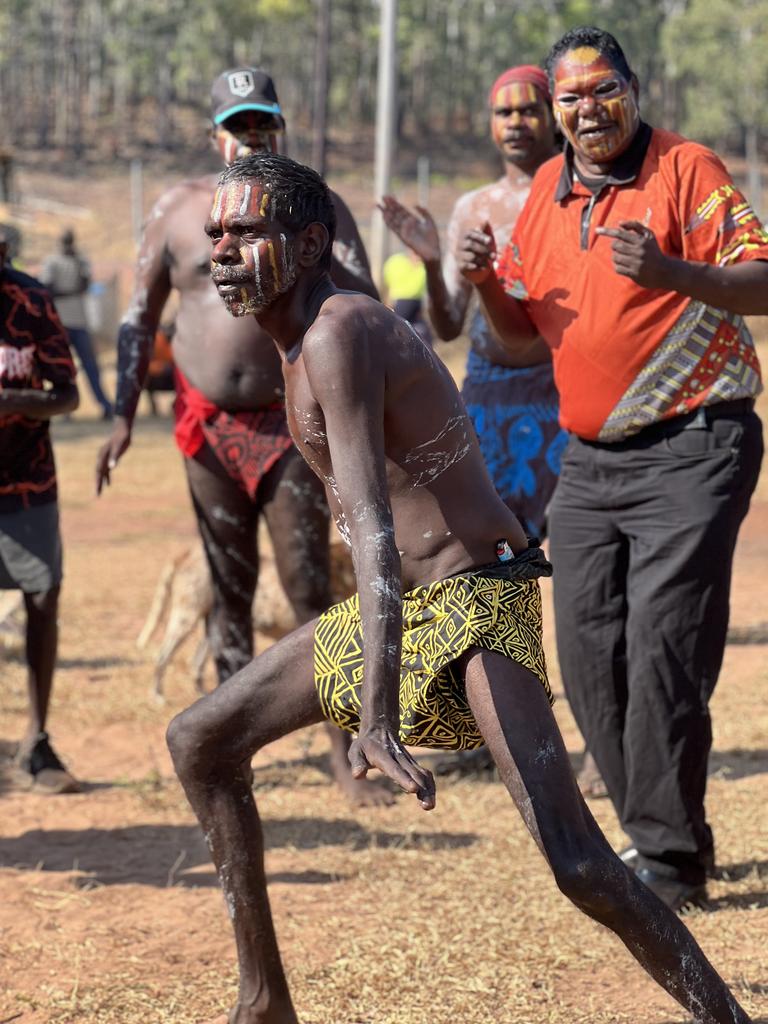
x=18 y=658
x=755 y=634
x=166 y=855
x=739 y=763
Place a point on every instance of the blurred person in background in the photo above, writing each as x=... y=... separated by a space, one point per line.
x=511 y=399
x=405 y=285
x=37 y=382
x=67 y=274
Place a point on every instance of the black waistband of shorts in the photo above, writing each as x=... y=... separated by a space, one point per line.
x=698 y=419
x=528 y=565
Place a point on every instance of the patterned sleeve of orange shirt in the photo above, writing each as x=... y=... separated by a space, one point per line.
x=719 y=225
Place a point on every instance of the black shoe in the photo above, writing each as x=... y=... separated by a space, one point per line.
x=630 y=856
x=676 y=894
x=40 y=767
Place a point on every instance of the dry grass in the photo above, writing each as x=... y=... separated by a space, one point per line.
x=109 y=912
x=109 y=906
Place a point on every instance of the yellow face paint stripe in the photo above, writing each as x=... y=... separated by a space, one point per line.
x=273 y=262
x=516 y=93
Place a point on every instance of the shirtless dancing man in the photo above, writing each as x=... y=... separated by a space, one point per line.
x=442 y=645
x=230 y=417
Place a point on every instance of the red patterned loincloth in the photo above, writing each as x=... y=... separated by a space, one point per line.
x=247 y=444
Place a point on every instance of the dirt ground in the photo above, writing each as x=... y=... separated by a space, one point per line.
x=109 y=909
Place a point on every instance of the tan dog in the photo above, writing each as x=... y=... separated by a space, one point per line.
x=184 y=590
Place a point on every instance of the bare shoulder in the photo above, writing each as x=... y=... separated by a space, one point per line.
x=180 y=199
x=346 y=334
x=349 y=316
x=466 y=205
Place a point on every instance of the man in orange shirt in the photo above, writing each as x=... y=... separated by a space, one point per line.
x=636 y=258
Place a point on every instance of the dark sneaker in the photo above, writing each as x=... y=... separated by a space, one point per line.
x=676 y=894
x=41 y=769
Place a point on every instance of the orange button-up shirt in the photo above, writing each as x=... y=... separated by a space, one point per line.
x=626 y=356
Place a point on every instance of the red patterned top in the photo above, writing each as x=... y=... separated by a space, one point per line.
x=33 y=350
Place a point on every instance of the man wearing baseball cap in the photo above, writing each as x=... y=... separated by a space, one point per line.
x=230 y=417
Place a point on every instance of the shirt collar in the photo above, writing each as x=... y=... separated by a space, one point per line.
x=623 y=170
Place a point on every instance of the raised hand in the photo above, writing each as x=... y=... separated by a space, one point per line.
x=416 y=230
x=381 y=748
x=636 y=254
x=477 y=254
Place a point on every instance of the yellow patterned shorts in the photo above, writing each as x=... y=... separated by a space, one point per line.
x=496 y=607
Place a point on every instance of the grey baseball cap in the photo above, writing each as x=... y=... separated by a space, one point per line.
x=243 y=88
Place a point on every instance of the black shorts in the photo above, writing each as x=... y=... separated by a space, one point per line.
x=30 y=549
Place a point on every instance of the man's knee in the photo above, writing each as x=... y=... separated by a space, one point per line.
x=43 y=603
x=192 y=743
x=308 y=589
x=592 y=878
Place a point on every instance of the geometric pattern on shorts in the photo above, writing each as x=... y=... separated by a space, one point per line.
x=495 y=611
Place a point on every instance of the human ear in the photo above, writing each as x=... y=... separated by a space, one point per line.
x=313 y=241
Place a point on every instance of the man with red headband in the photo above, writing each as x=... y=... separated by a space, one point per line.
x=512 y=401
x=636 y=258
x=231 y=426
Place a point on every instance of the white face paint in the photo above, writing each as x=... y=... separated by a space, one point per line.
x=267 y=266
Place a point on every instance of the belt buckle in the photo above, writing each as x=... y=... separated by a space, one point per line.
x=699 y=421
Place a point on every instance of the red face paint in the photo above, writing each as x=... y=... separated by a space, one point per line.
x=595 y=105
x=257 y=262
x=521 y=125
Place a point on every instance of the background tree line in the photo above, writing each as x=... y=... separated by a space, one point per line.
x=100 y=79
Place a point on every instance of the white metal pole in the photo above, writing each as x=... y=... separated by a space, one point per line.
x=137 y=199
x=385 y=130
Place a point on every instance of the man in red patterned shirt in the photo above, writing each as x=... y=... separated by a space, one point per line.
x=636 y=258
x=33 y=353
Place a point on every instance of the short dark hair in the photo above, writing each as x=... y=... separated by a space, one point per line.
x=588 y=35
x=299 y=196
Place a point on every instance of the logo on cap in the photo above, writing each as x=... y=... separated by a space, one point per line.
x=241 y=83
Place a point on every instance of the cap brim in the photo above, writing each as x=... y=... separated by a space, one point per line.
x=269 y=108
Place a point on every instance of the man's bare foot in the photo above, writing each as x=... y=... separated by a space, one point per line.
x=589 y=779
x=238 y=1015
x=466 y=762
x=363 y=792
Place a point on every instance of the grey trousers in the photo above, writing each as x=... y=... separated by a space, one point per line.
x=642 y=539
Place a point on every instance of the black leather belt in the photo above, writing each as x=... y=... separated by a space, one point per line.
x=696 y=420
x=699 y=418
